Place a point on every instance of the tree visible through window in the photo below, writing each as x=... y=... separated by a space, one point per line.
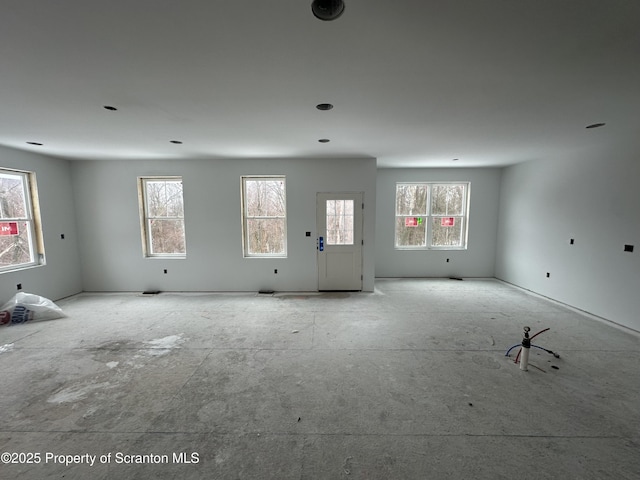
x=19 y=228
x=340 y=219
x=431 y=215
x=264 y=216
x=163 y=216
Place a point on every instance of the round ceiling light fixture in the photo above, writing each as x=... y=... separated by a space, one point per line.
x=327 y=10
x=595 y=125
x=324 y=106
x=324 y=140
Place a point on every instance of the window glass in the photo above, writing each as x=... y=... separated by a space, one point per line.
x=431 y=215
x=411 y=232
x=339 y=222
x=447 y=199
x=447 y=231
x=20 y=234
x=163 y=216
x=411 y=199
x=264 y=216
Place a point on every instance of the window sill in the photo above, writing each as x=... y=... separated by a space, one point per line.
x=22 y=268
x=429 y=249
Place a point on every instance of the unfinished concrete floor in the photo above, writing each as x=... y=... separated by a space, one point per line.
x=409 y=382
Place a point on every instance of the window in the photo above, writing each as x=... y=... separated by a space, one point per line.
x=162 y=215
x=431 y=215
x=339 y=222
x=21 y=242
x=264 y=216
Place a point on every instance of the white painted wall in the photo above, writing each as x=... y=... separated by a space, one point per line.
x=594 y=199
x=542 y=204
x=109 y=226
x=60 y=277
x=479 y=258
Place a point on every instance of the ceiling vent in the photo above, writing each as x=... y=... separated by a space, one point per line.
x=327 y=10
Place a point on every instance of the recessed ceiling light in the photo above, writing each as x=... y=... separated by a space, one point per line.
x=455 y=159
x=324 y=140
x=177 y=142
x=327 y=10
x=109 y=107
x=595 y=125
x=324 y=106
x=35 y=143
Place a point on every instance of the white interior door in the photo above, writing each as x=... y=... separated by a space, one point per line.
x=339 y=226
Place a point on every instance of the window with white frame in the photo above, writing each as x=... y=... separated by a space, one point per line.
x=162 y=216
x=264 y=216
x=21 y=243
x=431 y=215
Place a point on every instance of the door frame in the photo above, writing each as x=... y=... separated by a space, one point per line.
x=358 y=198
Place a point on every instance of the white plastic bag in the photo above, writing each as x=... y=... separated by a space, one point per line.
x=27 y=306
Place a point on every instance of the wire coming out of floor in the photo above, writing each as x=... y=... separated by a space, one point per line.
x=536 y=346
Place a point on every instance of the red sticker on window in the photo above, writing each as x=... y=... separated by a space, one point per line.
x=412 y=221
x=9 y=228
x=447 y=222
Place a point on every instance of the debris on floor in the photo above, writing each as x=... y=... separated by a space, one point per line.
x=163 y=346
x=24 y=307
x=347 y=465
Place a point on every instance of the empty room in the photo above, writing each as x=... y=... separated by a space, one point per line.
x=322 y=239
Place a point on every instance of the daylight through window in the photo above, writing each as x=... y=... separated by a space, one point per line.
x=20 y=236
x=264 y=212
x=162 y=208
x=431 y=215
x=340 y=222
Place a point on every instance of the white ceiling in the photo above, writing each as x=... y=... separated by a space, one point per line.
x=415 y=83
